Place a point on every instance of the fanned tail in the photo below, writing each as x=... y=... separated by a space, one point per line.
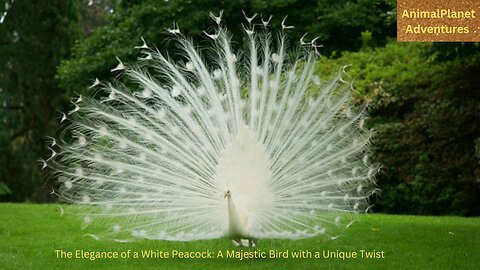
x=155 y=162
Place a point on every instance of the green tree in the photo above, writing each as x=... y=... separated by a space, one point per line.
x=337 y=23
x=34 y=37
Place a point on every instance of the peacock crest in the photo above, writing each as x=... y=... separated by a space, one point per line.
x=248 y=145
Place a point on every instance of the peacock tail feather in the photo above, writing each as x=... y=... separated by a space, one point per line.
x=156 y=162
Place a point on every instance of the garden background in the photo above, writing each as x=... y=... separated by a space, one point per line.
x=424 y=97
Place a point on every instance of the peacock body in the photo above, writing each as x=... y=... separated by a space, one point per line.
x=248 y=145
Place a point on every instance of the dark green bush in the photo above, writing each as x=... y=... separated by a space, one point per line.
x=426 y=116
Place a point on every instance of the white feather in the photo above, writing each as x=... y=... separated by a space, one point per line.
x=159 y=163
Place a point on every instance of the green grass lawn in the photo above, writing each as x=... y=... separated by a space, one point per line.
x=30 y=234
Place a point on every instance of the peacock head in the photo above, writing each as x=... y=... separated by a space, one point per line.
x=227 y=194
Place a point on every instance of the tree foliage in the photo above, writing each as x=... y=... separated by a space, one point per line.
x=426 y=117
x=34 y=37
x=338 y=24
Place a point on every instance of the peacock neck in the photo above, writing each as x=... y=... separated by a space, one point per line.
x=236 y=227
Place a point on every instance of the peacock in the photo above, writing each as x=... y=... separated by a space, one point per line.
x=246 y=144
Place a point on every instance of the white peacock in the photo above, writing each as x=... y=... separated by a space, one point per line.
x=252 y=146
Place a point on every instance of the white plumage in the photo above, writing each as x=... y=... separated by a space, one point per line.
x=247 y=145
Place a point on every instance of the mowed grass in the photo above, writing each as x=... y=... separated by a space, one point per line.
x=30 y=234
